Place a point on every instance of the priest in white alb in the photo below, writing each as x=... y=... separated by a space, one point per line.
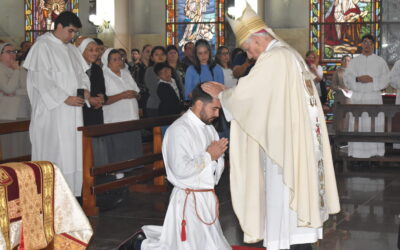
x=193 y=157
x=395 y=83
x=282 y=179
x=55 y=73
x=366 y=75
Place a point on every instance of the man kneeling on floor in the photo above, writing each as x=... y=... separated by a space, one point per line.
x=193 y=156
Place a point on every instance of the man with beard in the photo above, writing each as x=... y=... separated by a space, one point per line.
x=193 y=157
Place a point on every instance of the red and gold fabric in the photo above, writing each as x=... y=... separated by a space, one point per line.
x=30 y=193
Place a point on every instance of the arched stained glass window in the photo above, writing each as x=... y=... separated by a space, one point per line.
x=190 y=20
x=40 y=15
x=336 y=28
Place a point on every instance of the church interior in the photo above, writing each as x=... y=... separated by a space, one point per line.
x=119 y=196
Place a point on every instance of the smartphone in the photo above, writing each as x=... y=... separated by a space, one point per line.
x=80 y=93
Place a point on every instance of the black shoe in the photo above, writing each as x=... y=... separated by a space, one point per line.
x=307 y=246
x=134 y=242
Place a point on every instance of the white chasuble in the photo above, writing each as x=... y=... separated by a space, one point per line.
x=367 y=93
x=189 y=166
x=54 y=73
x=283 y=184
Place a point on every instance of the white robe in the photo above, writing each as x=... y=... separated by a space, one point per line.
x=367 y=93
x=54 y=73
x=188 y=165
x=395 y=83
x=125 y=109
x=395 y=79
x=280 y=225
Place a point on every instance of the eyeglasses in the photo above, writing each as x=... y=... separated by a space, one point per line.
x=10 y=52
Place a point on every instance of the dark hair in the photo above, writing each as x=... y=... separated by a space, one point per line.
x=219 y=52
x=310 y=52
x=98 y=41
x=160 y=66
x=368 y=36
x=235 y=52
x=145 y=46
x=112 y=52
x=199 y=94
x=211 y=63
x=151 y=63
x=121 y=50
x=68 y=18
x=343 y=57
x=23 y=43
x=186 y=44
x=171 y=47
x=134 y=49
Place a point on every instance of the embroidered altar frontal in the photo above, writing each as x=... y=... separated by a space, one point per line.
x=27 y=199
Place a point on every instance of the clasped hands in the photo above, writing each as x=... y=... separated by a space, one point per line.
x=365 y=79
x=217 y=148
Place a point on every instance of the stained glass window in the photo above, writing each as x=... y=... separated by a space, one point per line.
x=336 y=28
x=40 y=15
x=190 y=20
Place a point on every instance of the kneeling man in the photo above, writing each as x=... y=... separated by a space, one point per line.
x=193 y=156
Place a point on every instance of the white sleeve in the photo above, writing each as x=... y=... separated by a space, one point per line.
x=48 y=88
x=228 y=115
x=395 y=76
x=184 y=169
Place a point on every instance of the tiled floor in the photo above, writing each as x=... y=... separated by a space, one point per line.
x=370 y=200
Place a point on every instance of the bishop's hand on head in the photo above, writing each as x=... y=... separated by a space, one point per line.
x=213 y=88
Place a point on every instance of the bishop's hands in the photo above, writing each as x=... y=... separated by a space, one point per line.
x=213 y=88
x=217 y=148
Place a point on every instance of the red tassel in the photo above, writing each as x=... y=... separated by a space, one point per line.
x=183 y=231
x=21 y=240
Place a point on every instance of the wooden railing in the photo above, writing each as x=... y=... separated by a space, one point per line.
x=14 y=127
x=153 y=170
x=391 y=133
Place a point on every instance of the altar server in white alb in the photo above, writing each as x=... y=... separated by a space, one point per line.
x=55 y=73
x=193 y=156
x=366 y=75
x=395 y=83
x=282 y=179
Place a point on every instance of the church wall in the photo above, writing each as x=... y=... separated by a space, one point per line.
x=147 y=22
x=12 y=20
x=289 y=19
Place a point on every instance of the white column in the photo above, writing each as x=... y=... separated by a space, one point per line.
x=121 y=26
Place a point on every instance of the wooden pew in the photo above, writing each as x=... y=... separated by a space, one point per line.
x=153 y=170
x=342 y=135
x=14 y=127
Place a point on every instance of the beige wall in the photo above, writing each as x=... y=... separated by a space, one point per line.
x=289 y=19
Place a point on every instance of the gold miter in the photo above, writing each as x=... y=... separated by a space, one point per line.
x=244 y=22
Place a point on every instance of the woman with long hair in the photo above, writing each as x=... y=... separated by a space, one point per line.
x=222 y=58
x=204 y=68
x=157 y=55
x=177 y=68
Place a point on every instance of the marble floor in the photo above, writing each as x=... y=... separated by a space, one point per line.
x=369 y=220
